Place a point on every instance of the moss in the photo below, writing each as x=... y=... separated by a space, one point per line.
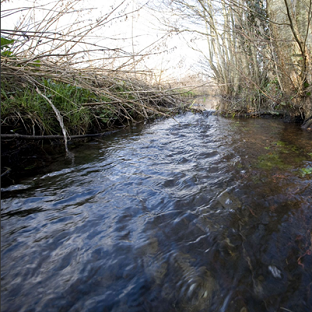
x=305 y=171
x=270 y=161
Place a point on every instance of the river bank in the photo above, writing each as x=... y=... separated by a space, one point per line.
x=45 y=107
x=220 y=104
x=25 y=155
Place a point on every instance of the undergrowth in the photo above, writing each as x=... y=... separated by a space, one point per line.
x=24 y=111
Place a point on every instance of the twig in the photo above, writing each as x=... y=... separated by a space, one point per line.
x=59 y=118
x=52 y=137
x=5 y=172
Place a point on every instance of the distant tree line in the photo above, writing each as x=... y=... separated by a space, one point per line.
x=258 y=51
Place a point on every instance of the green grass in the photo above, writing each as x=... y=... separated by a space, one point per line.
x=306 y=171
x=25 y=111
x=186 y=93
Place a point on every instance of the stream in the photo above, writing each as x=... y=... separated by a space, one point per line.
x=195 y=213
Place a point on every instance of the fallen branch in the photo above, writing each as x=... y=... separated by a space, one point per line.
x=8 y=170
x=53 y=137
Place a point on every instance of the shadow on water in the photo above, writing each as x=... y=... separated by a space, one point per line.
x=207 y=214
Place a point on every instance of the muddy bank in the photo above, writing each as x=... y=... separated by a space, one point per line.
x=219 y=104
x=25 y=158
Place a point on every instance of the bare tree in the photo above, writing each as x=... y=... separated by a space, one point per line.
x=259 y=52
x=290 y=23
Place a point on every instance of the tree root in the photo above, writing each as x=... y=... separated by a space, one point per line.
x=307 y=124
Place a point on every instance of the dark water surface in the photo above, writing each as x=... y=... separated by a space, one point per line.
x=198 y=214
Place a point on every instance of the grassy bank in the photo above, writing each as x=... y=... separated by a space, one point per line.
x=45 y=104
x=69 y=79
x=61 y=81
x=39 y=105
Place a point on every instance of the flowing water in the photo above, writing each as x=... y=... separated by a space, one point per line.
x=199 y=213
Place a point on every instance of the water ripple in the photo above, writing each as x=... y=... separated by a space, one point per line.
x=171 y=217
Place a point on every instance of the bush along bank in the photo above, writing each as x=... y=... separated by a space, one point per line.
x=295 y=107
x=48 y=102
x=50 y=106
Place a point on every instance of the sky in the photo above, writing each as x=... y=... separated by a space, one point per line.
x=139 y=32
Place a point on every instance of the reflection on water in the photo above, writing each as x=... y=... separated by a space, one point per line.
x=203 y=214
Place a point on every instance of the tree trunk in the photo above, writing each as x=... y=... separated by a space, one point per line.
x=292 y=39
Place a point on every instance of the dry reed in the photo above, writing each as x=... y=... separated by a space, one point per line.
x=66 y=55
